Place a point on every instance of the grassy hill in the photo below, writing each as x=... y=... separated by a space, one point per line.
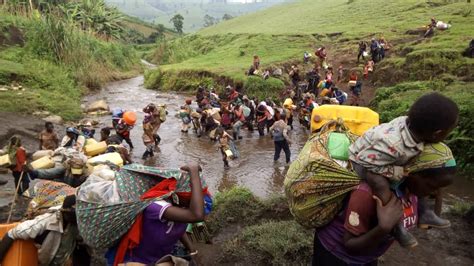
x=160 y=11
x=221 y=54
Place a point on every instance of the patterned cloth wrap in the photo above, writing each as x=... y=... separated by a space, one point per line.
x=102 y=225
x=46 y=194
x=316 y=185
x=434 y=155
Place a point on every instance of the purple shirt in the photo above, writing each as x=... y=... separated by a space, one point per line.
x=158 y=235
x=358 y=218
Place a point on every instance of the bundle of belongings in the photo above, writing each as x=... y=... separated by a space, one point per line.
x=321 y=177
x=107 y=207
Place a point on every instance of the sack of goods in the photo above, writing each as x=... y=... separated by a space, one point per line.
x=106 y=209
x=317 y=181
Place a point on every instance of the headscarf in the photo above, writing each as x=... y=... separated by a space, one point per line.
x=14 y=143
x=180 y=188
x=434 y=155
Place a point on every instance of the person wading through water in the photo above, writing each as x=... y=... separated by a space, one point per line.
x=279 y=131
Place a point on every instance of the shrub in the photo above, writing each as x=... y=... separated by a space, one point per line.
x=274 y=243
x=262 y=89
x=237 y=205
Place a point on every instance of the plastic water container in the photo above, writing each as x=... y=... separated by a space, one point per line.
x=43 y=163
x=42 y=153
x=90 y=141
x=94 y=149
x=21 y=253
x=113 y=157
x=5 y=160
x=338 y=146
x=229 y=153
x=357 y=119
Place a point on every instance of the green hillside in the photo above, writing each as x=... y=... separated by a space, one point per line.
x=284 y=32
x=161 y=11
x=221 y=54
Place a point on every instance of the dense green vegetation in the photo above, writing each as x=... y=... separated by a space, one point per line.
x=56 y=52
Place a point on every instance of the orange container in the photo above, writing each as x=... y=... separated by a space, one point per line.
x=21 y=253
x=130 y=118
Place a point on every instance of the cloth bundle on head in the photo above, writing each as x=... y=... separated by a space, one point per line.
x=176 y=188
x=434 y=155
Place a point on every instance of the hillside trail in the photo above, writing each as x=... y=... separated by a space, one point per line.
x=338 y=56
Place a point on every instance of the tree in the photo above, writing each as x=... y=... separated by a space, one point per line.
x=227 y=17
x=177 y=21
x=209 y=21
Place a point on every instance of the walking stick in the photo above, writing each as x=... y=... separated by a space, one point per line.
x=14 y=197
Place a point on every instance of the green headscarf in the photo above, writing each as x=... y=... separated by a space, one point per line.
x=13 y=144
x=434 y=155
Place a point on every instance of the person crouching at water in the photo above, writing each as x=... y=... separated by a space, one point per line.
x=361 y=233
x=279 y=131
x=163 y=223
x=55 y=232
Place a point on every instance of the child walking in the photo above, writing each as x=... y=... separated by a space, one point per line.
x=148 y=137
x=380 y=155
x=226 y=146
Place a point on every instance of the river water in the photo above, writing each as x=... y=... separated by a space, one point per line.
x=254 y=170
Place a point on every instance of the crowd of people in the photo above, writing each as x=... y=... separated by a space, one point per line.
x=399 y=164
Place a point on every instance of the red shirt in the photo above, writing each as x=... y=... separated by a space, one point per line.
x=358 y=218
x=20 y=159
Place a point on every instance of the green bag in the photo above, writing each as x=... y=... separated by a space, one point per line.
x=338 y=146
x=315 y=184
